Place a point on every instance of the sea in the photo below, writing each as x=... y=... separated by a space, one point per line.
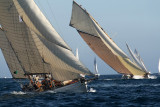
x=107 y=91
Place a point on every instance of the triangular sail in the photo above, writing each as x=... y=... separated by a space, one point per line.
x=19 y=37
x=101 y=43
x=77 y=55
x=159 y=66
x=136 y=58
x=140 y=59
x=10 y=57
x=95 y=67
x=37 y=45
x=137 y=54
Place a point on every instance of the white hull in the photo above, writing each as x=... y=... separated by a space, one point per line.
x=142 y=77
x=76 y=87
x=139 y=77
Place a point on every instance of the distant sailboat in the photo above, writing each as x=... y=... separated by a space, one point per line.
x=96 y=68
x=137 y=59
x=159 y=66
x=33 y=49
x=77 y=55
x=99 y=41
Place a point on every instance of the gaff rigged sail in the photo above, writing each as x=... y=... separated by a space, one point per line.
x=101 y=43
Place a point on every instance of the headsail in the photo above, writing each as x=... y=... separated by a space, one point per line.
x=10 y=57
x=20 y=39
x=37 y=45
x=137 y=54
x=137 y=59
x=101 y=43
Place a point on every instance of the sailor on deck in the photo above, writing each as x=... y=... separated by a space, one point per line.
x=46 y=82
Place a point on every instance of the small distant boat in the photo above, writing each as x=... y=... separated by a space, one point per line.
x=159 y=66
x=77 y=54
x=100 y=42
x=96 y=68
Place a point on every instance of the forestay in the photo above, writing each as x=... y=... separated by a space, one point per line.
x=101 y=43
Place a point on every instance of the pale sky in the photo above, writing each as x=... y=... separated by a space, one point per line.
x=136 y=22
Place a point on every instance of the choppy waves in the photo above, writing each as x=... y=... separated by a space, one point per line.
x=18 y=93
x=107 y=91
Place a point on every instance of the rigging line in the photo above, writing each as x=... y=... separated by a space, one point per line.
x=52 y=13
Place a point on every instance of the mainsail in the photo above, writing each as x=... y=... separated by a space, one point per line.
x=36 y=44
x=101 y=43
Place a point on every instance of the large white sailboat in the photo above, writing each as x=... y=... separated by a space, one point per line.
x=33 y=49
x=99 y=41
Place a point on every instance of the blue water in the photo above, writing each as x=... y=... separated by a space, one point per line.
x=109 y=90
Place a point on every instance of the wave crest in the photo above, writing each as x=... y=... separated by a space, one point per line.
x=18 y=93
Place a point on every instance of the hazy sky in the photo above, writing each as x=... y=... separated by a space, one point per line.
x=136 y=22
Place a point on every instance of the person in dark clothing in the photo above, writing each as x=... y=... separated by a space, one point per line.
x=46 y=83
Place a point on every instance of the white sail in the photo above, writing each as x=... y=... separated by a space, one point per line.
x=136 y=60
x=64 y=64
x=101 y=43
x=77 y=55
x=95 y=67
x=38 y=47
x=36 y=21
x=143 y=64
x=140 y=59
x=137 y=54
x=159 y=66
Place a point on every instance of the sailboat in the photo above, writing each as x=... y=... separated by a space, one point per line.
x=34 y=50
x=99 y=41
x=159 y=66
x=138 y=61
x=96 y=68
x=77 y=55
